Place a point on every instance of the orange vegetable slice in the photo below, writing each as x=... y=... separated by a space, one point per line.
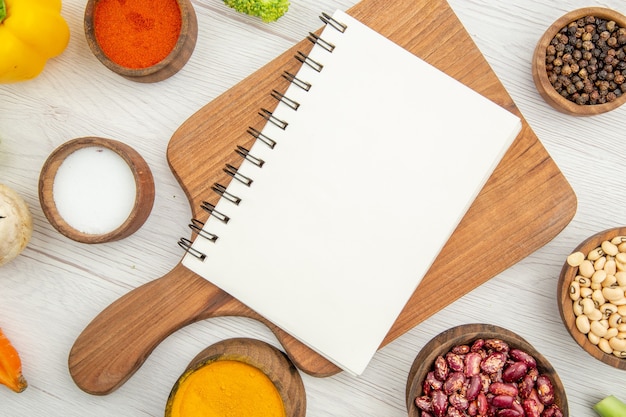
x=10 y=366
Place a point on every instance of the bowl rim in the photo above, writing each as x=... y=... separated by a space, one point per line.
x=565 y=304
x=186 y=10
x=268 y=359
x=464 y=333
x=539 y=72
x=144 y=189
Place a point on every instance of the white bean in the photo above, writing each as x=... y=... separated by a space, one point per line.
x=586 y=268
x=586 y=282
x=598 y=298
x=597 y=328
x=593 y=338
x=609 y=281
x=595 y=315
x=575 y=259
x=574 y=291
x=599 y=263
x=615 y=320
x=608 y=309
x=598 y=276
x=588 y=306
x=618 y=239
x=611 y=332
x=604 y=345
x=577 y=308
x=617 y=344
x=613 y=293
x=621 y=278
x=582 y=324
x=609 y=248
x=595 y=254
x=610 y=267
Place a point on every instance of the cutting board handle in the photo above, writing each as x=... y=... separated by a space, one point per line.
x=119 y=339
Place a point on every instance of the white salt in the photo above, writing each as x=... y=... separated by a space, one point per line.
x=94 y=190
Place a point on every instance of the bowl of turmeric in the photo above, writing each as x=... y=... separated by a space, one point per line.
x=140 y=40
x=238 y=377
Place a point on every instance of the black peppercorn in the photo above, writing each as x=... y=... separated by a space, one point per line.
x=586 y=61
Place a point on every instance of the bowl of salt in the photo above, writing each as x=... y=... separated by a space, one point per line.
x=96 y=190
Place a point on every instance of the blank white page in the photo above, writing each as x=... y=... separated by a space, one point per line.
x=371 y=176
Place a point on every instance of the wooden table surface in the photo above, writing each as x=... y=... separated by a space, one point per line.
x=57 y=286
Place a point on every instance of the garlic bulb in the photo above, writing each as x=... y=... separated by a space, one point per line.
x=16 y=224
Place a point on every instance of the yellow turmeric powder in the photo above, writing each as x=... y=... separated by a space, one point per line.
x=226 y=388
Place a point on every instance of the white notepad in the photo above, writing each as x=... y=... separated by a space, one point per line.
x=366 y=183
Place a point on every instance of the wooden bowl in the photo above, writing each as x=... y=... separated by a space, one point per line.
x=568 y=273
x=271 y=361
x=467 y=334
x=168 y=66
x=540 y=76
x=144 y=185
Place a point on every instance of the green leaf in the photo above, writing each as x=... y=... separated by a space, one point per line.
x=3 y=10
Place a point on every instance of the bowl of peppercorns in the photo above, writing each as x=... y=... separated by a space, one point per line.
x=481 y=369
x=579 y=64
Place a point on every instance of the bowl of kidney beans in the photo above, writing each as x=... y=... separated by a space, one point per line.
x=483 y=370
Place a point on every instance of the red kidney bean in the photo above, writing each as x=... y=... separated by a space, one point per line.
x=526 y=385
x=507 y=412
x=545 y=390
x=439 y=403
x=458 y=401
x=454 y=383
x=431 y=383
x=472 y=364
x=493 y=363
x=521 y=356
x=497 y=345
x=473 y=388
x=453 y=412
x=461 y=349
x=455 y=362
x=477 y=345
x=502 y=401
x=441 y=368
x=531 y=408
x=502 y=388
x=481 y=402
x=552 y=411
x=472 y=410
x=514 y=372
x=486 y=378
x=424 y=403
x=518 y=407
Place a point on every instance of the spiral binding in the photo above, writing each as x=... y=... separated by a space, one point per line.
x=196 y=226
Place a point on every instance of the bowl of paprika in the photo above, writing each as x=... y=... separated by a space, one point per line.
x=238 y=377
x=141 y=40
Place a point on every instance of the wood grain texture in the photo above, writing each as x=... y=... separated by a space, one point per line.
x=566 y=309
x=526 y=202
x=465 y=335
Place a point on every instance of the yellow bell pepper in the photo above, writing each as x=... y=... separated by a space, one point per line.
x=31 y=32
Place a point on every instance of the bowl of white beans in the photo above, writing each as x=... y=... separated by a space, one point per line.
x=591 y=296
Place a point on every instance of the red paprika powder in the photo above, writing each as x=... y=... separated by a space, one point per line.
x=137 y=33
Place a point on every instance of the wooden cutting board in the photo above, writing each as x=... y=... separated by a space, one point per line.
x=525 y=203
